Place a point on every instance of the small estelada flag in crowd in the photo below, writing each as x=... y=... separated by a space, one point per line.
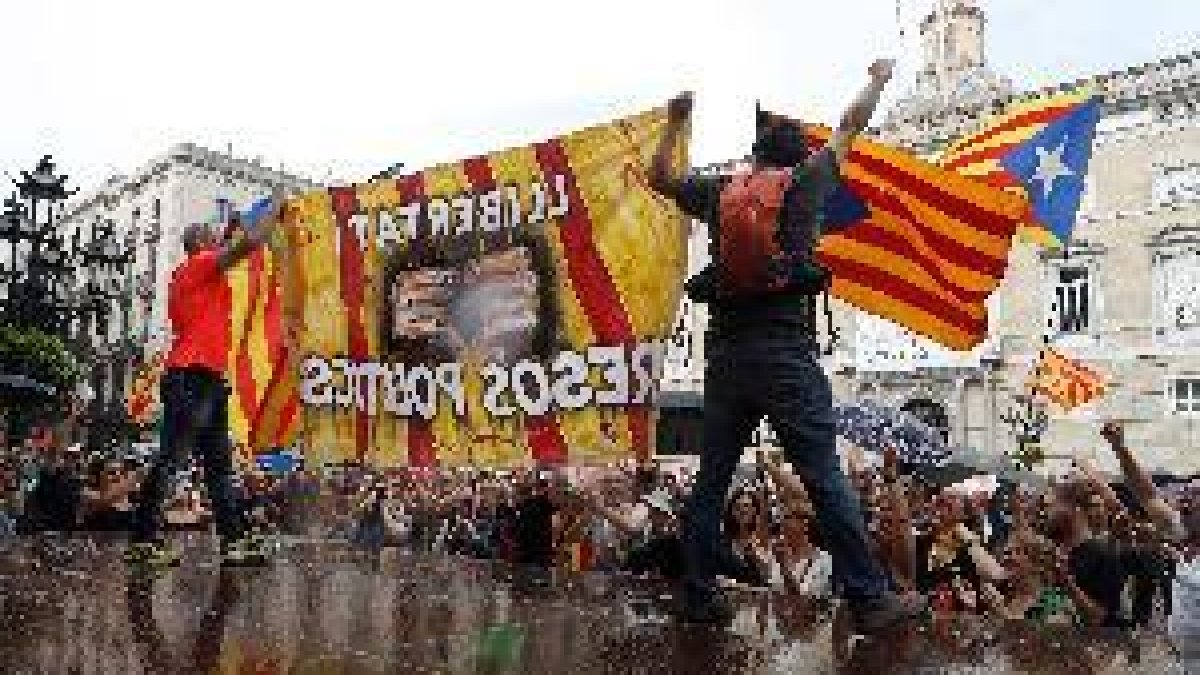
x=1065 y=381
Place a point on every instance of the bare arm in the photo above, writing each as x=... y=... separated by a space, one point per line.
x=856 y=118
x=1165 y=517
x=984 y=562
x=661 y=179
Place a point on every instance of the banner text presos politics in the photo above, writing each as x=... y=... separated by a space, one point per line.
x=529 y=387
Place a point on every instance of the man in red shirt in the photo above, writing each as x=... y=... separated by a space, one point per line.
x=195 y=396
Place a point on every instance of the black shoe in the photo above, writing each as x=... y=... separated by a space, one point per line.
x=885 y=612
x=244 y=552
x=152 y=554
x=709 y=608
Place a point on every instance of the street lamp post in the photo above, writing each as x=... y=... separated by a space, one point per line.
x=58 y=282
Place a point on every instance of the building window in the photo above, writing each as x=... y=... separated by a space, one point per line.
x=1072 y=300
x=1177 y=293
x=1185 y=396
x=1176 y=183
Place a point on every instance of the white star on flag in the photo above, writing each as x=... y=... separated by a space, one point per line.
x=1051 y=166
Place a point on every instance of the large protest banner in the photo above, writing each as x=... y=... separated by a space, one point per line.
x=495 y=311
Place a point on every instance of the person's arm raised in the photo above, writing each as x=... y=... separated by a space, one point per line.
x=232 y=252
x=1166 y=518
x=856 y=118
x=661 y=177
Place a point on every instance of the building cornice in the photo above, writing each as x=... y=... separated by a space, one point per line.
x=927 y=128
x=193 y=156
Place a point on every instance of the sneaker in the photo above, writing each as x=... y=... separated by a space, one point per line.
x=244 y=552
x=709 y=608
x=887 y=611
x=152 y=554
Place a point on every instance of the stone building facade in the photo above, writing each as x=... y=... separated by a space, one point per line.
x=1124 y=298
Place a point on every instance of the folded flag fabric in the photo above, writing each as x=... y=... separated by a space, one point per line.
x=1065 y=381
x=914 y=243
x=264 y=406
x=1039 y=149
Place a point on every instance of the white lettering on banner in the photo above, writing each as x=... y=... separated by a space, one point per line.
x=564 y=204
x=616 y=373
x=538 y=213
x=316 y=380
x=344 y=396
x=524 y=374
x=532 y=388
x=439 y=217
x=571 y=391
x=463 y=214
x=495 y=383
x=423 y=405
x=491 y=211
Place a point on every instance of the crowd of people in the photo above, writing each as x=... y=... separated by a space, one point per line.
x=1083 y=552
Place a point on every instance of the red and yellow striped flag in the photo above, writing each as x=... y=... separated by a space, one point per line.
x=931 y=250
x=264 y=404
x=1065 y=381
x=978 y=155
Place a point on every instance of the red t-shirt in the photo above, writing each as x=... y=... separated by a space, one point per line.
x=199 y=307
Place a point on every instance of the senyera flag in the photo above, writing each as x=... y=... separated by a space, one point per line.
x=1065 y=381
x=264 y=403
x=499 y=310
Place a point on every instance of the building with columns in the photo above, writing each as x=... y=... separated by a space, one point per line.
x=148 y=210
x=1124 y=297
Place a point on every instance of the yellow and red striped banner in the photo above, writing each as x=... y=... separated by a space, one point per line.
x=385 y=289
x=1065 y=381
x=933 y=247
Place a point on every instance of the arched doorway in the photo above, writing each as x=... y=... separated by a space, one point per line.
x=931 y=413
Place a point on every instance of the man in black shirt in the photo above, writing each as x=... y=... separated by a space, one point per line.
x=763 y=357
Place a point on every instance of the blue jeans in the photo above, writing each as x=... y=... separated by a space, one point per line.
x=195 y=420
x=777 y=376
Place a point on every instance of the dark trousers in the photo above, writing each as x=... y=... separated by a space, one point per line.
x=778 y=376
x=195 y=420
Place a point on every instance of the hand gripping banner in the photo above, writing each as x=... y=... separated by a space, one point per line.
x=497 y=311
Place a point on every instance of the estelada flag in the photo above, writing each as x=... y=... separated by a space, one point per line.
x=1038 y=148
x=1065 y=381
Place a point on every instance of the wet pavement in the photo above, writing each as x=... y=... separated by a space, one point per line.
x=71 y=606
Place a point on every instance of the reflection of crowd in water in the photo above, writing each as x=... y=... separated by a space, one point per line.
x=1080 y=554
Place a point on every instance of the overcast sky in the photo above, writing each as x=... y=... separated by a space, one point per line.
x=349 y=87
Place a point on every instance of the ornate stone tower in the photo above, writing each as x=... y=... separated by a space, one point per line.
x=952 y=43
x=954 y=71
